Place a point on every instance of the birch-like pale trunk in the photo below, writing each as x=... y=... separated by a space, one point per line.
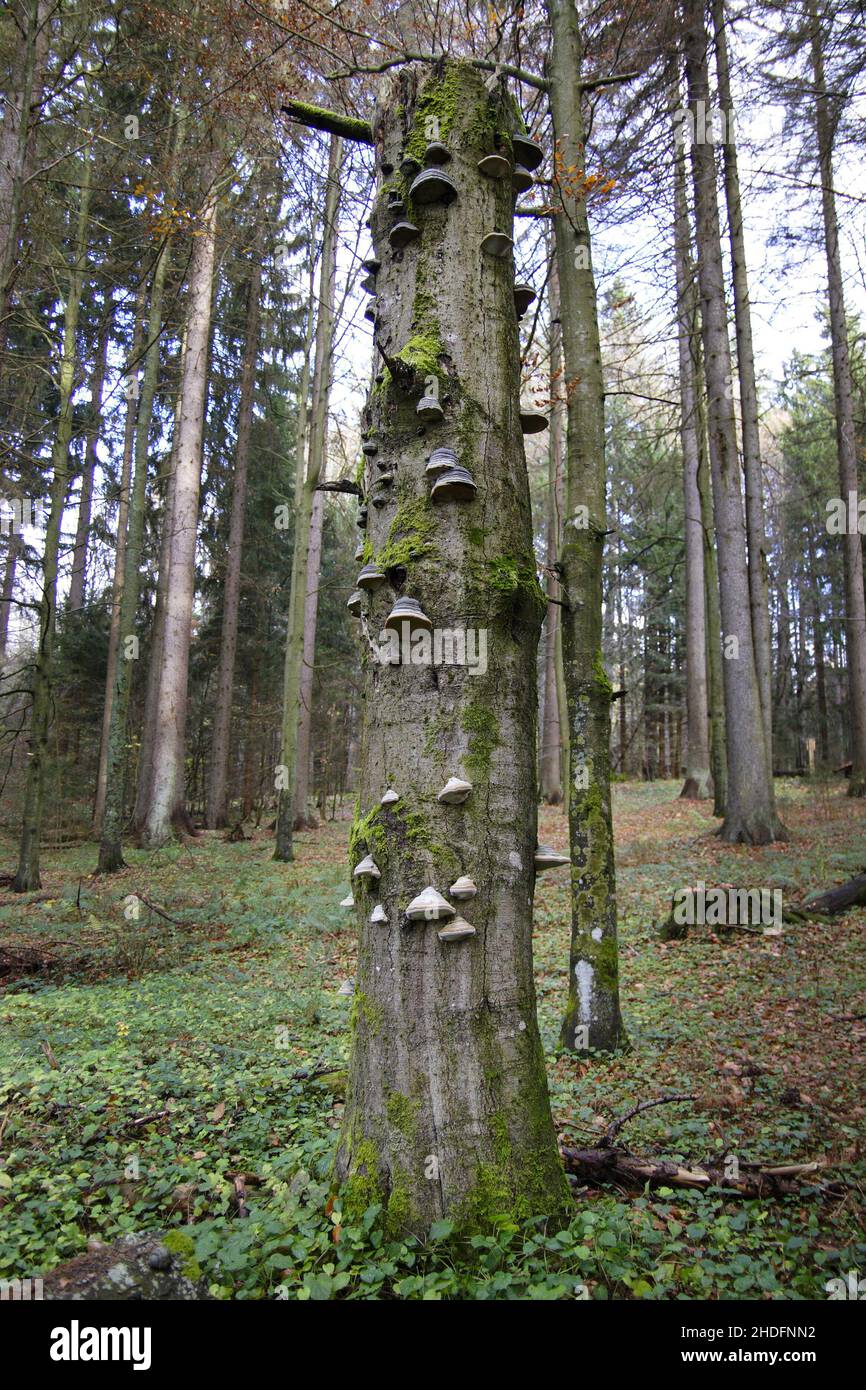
x=116 y=760
x=129 y=432
x=753 y=468
x=91 y=458
x=217 y=782
x=303 y=817
x=170 y=722
x=750 y=814
x=447 y=1111
x=846 y=439
x=593 y=1013
x=698 y=782
x=306 y=479
x=551 y=759
x=27 y=877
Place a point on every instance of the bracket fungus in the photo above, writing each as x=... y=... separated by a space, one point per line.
x=458 y=930
x=367 y=868
x=455 y=792
x=430 y=906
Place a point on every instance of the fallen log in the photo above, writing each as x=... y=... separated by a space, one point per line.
x=612 y=1165
x=850 y=894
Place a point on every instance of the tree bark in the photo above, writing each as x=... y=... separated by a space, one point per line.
x=216 y=798
x=750 y=815
x=698 y=781
x=447 y=1112
x=759 y=589
x=174 y=667
x=110 y=846
x=303 y=817
x=13 y=550
x=27 y=878
x=551 y=759
x=593 y=998
x=306 y=478
x=119 y=572
x=846 y=441
x=91 y=458
x=17 y=144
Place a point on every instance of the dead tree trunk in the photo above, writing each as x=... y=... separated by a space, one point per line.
x=698 y=782
x=447 y=1111
x=750 y=814
x=592 y=1014
x=216 y=798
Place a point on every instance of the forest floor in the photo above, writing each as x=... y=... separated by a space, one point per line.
x=145 y=1065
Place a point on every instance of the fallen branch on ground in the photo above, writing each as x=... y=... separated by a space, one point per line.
x=603 y=1166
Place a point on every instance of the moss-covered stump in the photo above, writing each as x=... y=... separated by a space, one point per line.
x=447 y=1111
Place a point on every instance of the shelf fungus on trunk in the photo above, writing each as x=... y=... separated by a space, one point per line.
x=496 y=244
x=494 y=166
x=389 y=797
x=355 y=603
x=527 y=152
x=447 y=1112
x=433 y=186
x=371 y=577
x=441 y=461
x=401 y=234
x=458 y=930
x=367 y=868
x=455 y=792
x=407 y=610
x=429 y=906
x=533 y=421
x=428 y=408
x=457 y=485
x=378 y=914
x=521 y=180
x=348 y=901
x=547 y=858
x=524 y=295
x=462 y=888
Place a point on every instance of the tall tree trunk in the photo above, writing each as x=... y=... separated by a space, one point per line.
x=17 y=144
x=303 y=817
x=593 y=997
x=551 y=762
x=820 y=665
x=216 y=796
x=91 y=459
x=27 y=877
x=148 y=723
x=167 y=790
x=447 y=1111
x=759 y=589
x=306 y=478
x=846 y=442
x=13 y=550
x=698 y=782
x=750 y=815
x=110 y=846
x=119 y=569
